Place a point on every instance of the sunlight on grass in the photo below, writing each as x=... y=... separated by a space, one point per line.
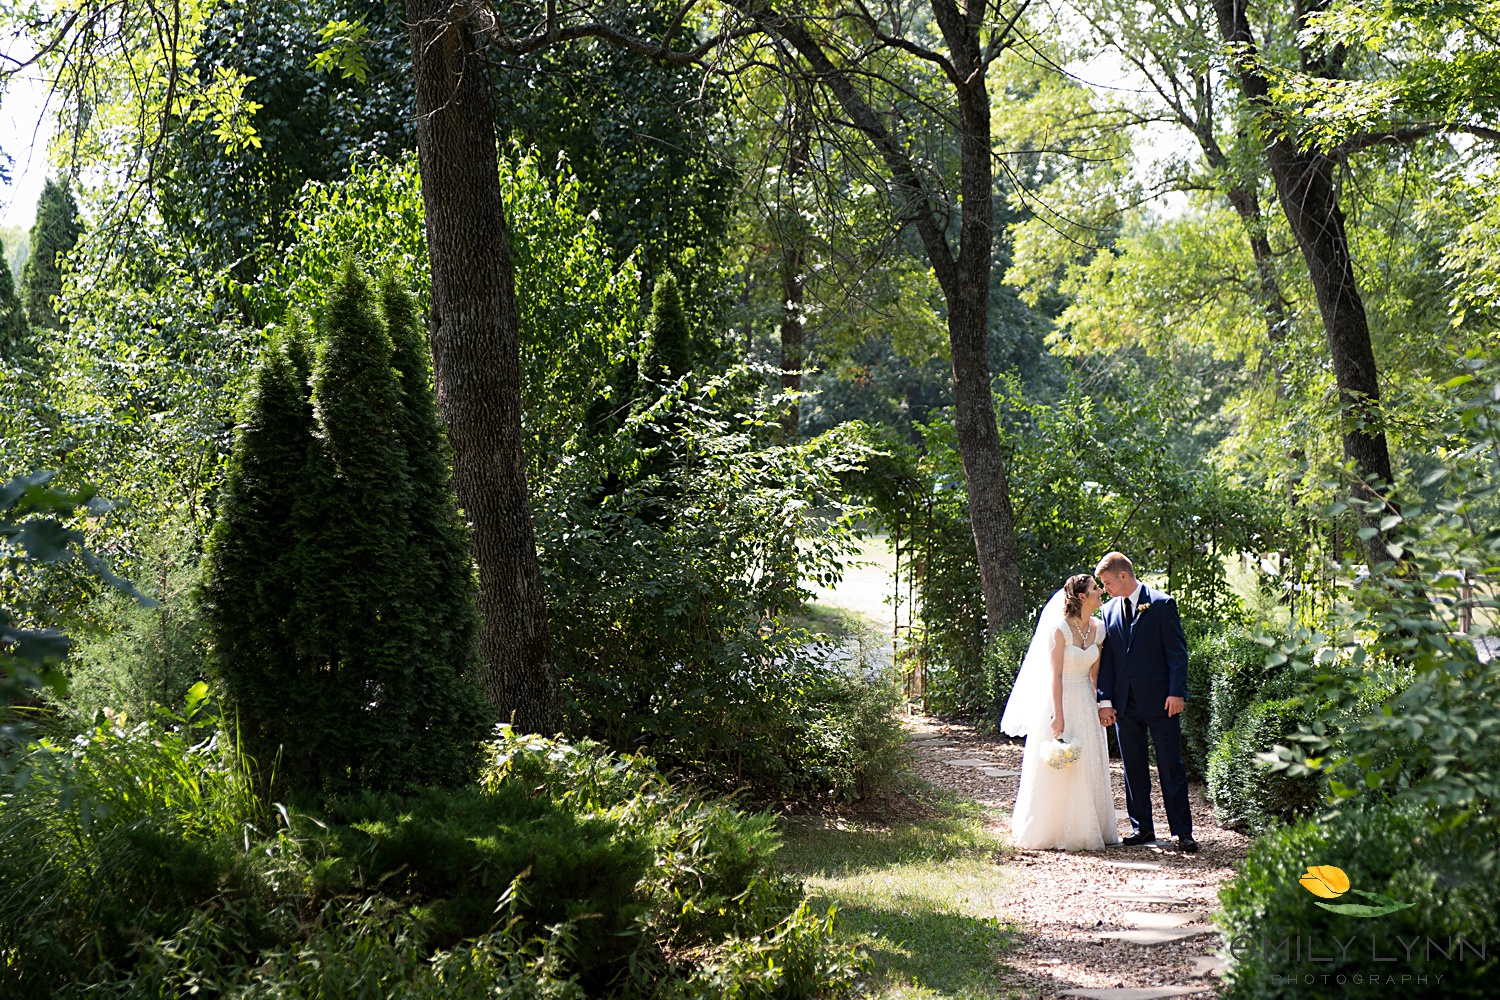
x=921 y=896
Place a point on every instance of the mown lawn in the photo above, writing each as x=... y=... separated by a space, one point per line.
x=921 y=896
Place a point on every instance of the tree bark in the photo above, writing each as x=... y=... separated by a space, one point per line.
x=990 y=513
x=793 y=260
x=476 y=358
x=1246 y=204
x=1309 y=199
x=964 y=278
x=793 y=270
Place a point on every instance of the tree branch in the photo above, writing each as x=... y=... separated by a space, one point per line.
x=1407 y=134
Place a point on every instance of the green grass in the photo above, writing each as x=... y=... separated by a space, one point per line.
x=920 y=896
x=828 y=619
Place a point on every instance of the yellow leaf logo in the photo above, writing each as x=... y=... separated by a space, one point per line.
x=1325 y=880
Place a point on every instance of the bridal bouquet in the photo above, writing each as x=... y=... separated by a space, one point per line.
x=1059 y=754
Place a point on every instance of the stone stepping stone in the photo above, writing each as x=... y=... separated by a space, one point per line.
x=1121 y=814
x=1137 y=992
x=970 y=762
x=998 y=772
x=1205 y=966
x=1145 y=897
x=1140 y=866
x=1143 y=919
x=1157 y=935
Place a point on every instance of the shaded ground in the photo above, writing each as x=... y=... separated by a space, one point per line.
x=921 y=895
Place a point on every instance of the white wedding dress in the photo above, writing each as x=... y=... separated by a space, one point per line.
x=1070 y=808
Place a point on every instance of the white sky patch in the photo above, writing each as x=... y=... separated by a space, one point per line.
x=25 y=129
x=1155 y=144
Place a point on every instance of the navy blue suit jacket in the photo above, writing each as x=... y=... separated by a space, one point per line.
x=1145 y=662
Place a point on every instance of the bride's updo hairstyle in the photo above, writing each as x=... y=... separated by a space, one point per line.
x=1073 y=592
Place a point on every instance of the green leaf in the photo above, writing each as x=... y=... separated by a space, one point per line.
x=44 y=540
x=1361 y=910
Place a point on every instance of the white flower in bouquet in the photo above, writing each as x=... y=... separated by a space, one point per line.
x=1059 y=754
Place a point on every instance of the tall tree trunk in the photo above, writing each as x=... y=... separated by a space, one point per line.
x=990 y=513
x=793 y=232
x=1309 y=199
x=965 y=279
x=476 y=358
x=1246 y=204
x=793 y=261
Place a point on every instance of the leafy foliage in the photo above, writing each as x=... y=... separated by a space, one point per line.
x=568 y=870
x=309 y=126
x=1447 y=874
x=644 y=140
x=1406 y=700
x=134 y=659
x=663 y=597
x=36 y=536
x=577 y=305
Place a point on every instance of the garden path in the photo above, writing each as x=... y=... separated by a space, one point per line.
x=1063 y=905
x=1127 y=923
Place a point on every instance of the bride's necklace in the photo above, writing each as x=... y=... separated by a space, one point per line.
x=1078 y=631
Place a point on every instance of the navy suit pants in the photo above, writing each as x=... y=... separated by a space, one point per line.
x=1132 y=729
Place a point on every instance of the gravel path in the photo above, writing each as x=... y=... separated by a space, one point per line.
x=1064 y=902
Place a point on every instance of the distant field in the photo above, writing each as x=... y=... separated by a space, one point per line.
x=866 y=589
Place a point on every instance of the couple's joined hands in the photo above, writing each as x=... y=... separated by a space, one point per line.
x=1173 y=706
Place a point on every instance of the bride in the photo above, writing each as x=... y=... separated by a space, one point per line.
x=1070 y=808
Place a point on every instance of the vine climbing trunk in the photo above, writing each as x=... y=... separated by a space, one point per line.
x=476 y=357
x=793 y=233
x=1309 y=199
x=792 y=262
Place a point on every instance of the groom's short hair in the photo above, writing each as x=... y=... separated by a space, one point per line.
x=1114 y=563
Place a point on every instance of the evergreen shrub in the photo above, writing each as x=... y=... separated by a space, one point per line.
x=53 y=236
x=1447 y=873
x=1227 y=673
x=1246 y=795
x=339 y=595
x=667 y=351
x=139 y=861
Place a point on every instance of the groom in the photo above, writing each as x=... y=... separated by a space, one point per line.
x=1142 y=687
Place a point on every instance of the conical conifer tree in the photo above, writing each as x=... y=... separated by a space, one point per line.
x=440 y=568
x=668 y=350
x=401 y=714
x=339 y=592
x=53 y=235
x=12 y=316
x=249 y=586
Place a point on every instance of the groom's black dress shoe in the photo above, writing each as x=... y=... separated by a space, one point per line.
x=1187 y=845
x=1141 y=839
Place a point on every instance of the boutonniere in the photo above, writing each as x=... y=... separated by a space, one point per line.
x=1143 y=607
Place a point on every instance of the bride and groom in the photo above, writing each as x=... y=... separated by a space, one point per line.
x=1080 y=675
